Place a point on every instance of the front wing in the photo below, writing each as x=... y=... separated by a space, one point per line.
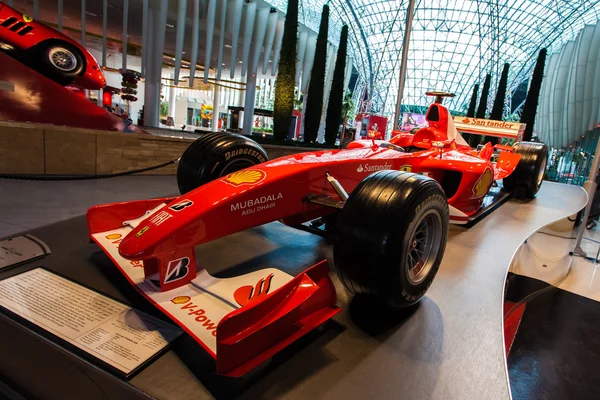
x=240 y=321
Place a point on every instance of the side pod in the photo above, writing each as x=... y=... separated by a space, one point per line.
x=252 y=334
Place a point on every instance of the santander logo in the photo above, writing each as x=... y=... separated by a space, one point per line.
x=373 y=168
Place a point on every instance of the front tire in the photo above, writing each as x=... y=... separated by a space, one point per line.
x=526 y=180
x=214 y=155
x=61 y=61
x=391 y=236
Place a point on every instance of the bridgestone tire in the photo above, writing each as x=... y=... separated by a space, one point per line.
x=526 y=179
x=215 y=155
x=390 y=217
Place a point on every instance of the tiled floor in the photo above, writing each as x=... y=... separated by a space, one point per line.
x=29 y=204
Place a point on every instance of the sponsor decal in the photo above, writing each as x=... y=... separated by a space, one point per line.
x=373 y=168
x=488 y=123
x=406 y=168
x=181 y=299
x=142 y=231
x=483 y=183
x=258 y=204
x=177 y=269
x=245 y=177
x=179 y=206
x=27 y=18
x=245 y=152
x=244 y=294
x=159 y=218
x=115 y=240
x=197 y=312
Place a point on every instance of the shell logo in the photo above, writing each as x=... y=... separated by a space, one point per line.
x=483 y=184
x=181 y=299
x=245 y=177
x=113 y=236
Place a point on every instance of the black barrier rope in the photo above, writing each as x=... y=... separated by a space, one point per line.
x=83 y=177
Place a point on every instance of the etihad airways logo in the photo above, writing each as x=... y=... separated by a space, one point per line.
x=373 y=168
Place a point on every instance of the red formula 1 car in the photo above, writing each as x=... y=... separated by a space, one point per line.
x=48 y=51
x=389 y=232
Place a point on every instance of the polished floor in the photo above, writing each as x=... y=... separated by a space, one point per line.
x=26 y=205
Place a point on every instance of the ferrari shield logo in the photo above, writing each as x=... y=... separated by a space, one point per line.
x=245 y=177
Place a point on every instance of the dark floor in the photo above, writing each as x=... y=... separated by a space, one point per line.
x=29 y=204
x=556 y=351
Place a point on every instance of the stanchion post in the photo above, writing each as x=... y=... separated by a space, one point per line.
x=590 y=187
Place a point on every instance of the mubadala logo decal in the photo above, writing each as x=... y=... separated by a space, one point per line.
x=177 y=269
x=258 y=204
x=373 y=168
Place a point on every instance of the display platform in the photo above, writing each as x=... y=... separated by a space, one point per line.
x=449 y=346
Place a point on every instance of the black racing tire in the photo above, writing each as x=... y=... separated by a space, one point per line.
x=390 y=218
x=61 y=61
x=526 y=180
x=214 y=155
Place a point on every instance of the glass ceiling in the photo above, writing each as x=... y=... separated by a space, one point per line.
x=453 y=44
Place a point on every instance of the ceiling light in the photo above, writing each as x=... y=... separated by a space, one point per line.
x=228 y=46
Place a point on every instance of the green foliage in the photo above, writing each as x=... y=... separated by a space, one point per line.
x=284 y=86
x=498 y=107
x=164 y=109
x=334 y=108
x=316 y=85
x=531 y=102
x=298 y=100
x=348 y=107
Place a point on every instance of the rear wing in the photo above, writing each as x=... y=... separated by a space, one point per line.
x=490 y=127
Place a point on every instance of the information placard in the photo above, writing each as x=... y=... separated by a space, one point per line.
x=120 y=336
x=21 y=249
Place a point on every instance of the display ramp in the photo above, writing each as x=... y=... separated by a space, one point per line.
x=28 y=96
x=448 y=347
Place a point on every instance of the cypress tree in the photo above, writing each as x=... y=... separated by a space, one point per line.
x=316 y=85
x=498 y=107
x=484 y=97
x=286 y=75
x=531 y=102
x=473 y=103
x=334 y=108
x=476 y=139
x=471 y=110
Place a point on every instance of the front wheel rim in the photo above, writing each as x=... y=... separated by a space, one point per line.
x=423 y=247
x=63 y=59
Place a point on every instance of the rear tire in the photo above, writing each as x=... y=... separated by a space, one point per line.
x=391 y=236
x=214 y=155
x=526 y=179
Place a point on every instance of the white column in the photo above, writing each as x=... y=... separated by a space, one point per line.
x=181 y=9
x=249 y=100
x=277 y=46
x=104 y=28
x=210 y=36
x=328 y=78
x=124 y=37
x=223 y=20
x=235 y=35
x=309 y=59
x=261 y=29
x=348 y=72
x=216 y=106
x=250 y=15
x=144 y=35
x=157 y=21
x=83 y=18
x=195 y=36
x=60 y=15
x=36 y=9
x=300 y=55
x=269 y=38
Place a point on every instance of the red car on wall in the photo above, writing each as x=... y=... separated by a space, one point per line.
x=48 y=51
